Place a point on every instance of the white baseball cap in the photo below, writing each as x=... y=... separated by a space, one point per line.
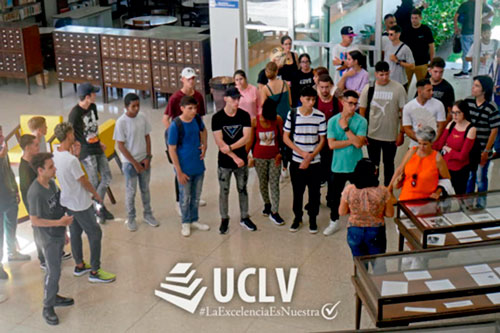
x=188 y=73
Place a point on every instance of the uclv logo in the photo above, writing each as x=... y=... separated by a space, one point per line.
x=286 y=287
x=186 y=292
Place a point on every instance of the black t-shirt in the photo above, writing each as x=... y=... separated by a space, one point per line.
x=232 y=131
x=304 y=80
x=45 y=204
x=26 y=177
x=466 y=16
x=418 y=40
x=445 y=93
x=262 y=78
x=86 y=129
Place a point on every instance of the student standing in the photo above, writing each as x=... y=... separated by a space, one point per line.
x=231 y=127
x=340 y=51
x=487 y=52
x=76 y=196
x=250 y=96
x=442 y=90
x=38 y=127
x=49 y=222
x=187 y=144
x=304 y=134
x=346 y=136
x=83 y=117
x=399 y=57
x=356 y=77
x=134 y=144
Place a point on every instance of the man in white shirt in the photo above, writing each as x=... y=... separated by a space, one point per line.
x=76 y=196
x=423 y=110
x=340 y=51
x=487 y=52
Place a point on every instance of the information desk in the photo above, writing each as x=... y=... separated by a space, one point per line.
x=401 y=288
x=453 y=221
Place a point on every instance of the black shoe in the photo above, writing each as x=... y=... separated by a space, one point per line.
x=313 y=227
x=276 y=218
x=66 y=256
x=107 y=213
x=224 y=226
x=267 y=210
x=248 y=224
x=295 y=225
x=50 y=316
x=64 y=301
x=461 y=75
x=99 y=214
x=3 y=274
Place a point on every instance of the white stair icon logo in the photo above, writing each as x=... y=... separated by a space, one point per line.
x=182 y=285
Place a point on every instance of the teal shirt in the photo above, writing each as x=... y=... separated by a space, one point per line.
x=345 y=159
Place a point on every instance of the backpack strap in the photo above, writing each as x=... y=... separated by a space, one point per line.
x=467 y=130
x=399 y=48
x=180 y=130
x=452 y=126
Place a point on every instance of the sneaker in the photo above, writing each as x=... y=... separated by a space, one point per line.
x=107 y=214
x=186 y=229
x=323 y=183
x=267 y=210
x=295 y=225
x=461 y=75
x=248 y=224
x=224 y=226
x=101 y=276
x=100 y=217
x=313 y=227
x=81 y=271
x=66 y=256
x=276 y=218
x=150 y=219
x=3 y=273
x=178 y=208
x=202 y=203
x=43 y=266
x=3 y=298
x=332 y=228
x=64 y=301
x=131 y=224
x=16 y=256
x=50 y=315
x=200 y=226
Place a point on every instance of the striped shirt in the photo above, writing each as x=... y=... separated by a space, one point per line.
x=307 y=132
x=485 y=118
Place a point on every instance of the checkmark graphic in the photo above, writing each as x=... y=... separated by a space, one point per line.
x=329 y=310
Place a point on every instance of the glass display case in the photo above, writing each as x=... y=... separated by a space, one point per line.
x=432 y=284
x=491 y=326
x=452 y=221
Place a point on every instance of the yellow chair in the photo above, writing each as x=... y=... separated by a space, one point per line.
x=16 y=152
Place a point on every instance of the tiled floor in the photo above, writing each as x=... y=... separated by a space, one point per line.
x=142 y=259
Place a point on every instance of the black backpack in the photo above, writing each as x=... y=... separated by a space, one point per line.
x=180 y=130
x=475 y=152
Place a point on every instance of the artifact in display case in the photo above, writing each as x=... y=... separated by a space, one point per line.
x=451 y=221
x=401 y=288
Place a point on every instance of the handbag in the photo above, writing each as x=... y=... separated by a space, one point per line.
x=457 y=44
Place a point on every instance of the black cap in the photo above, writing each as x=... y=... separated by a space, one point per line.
x=232 y=92
x=347 y=30
x=86 y=88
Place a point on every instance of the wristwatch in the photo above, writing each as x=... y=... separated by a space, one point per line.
x=149 y=157
x=346 y=129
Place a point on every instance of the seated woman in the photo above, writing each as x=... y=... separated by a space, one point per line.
x=356 y=77
x=422 y=167
x=455 y=144
x=368 y=204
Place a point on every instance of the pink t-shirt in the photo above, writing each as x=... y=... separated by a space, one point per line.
x=250 y=101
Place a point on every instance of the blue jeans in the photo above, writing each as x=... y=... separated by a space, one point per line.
x=97 y=168
x=466 y=41
x=131 y=178
x=189 y=198
x=479 y=177
x=8 y=225
x=366 y=240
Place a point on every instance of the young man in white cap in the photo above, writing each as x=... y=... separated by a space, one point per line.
x=83 y=117
x=340 y=52
x=173 y=110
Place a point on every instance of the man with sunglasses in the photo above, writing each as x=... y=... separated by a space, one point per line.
x=346 y=135
x=399 y=57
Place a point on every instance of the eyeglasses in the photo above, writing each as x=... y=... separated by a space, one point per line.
x=414 y=180
x=455 y=113
x=352 y=103
x=392 y=34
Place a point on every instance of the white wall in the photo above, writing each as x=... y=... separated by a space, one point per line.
x=226 y=24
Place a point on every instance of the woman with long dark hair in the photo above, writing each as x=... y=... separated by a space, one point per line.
x=356 y=77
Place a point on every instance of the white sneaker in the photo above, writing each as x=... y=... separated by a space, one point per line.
x=200 y=226
x=178 y=208
x=3 y=298
x=332 y=228
x=203 y=203
x=186 y=229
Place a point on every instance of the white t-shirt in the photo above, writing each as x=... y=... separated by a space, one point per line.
x=489 y=51
x=339 y=51
x=68 y=170
x=417 y=115
x=133 y=131
x=398 y=72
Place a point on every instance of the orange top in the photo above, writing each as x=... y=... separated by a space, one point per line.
x=421 y=177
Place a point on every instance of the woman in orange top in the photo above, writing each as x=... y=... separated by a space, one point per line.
x=421 y=169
